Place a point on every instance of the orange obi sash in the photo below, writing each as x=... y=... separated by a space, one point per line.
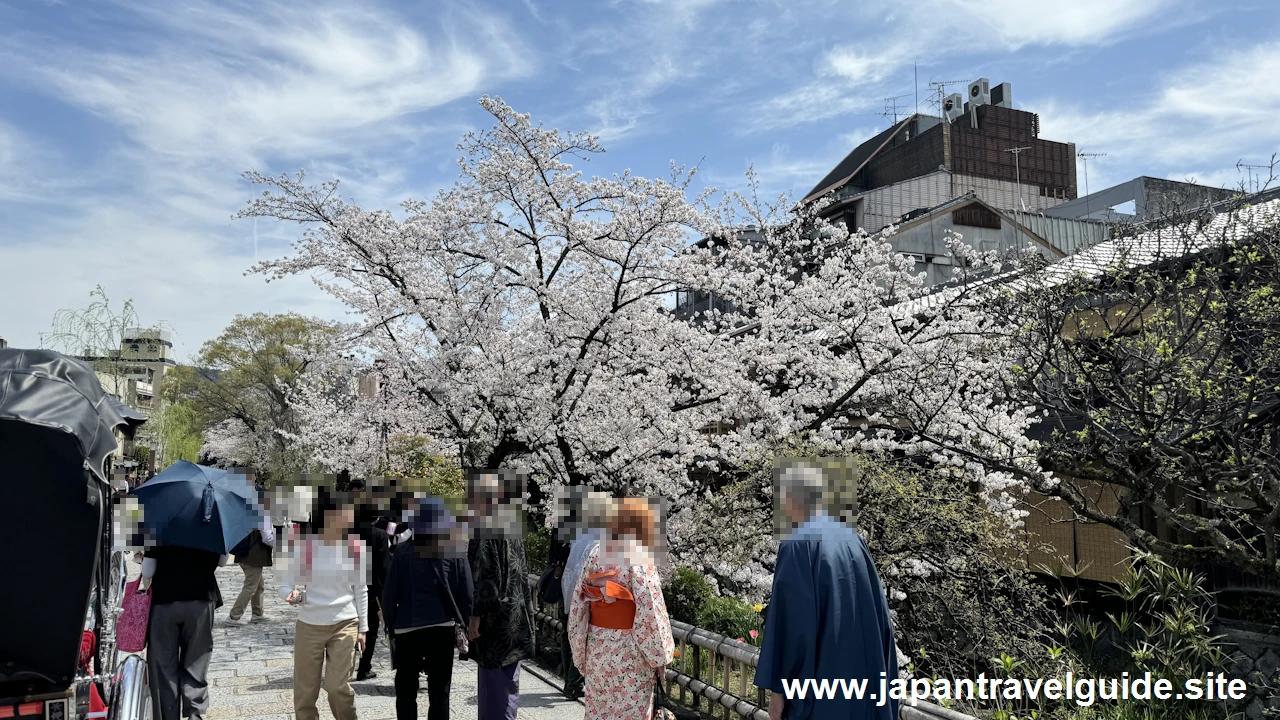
x=617 y=615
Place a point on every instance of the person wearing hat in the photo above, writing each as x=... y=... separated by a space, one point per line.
x=428 y=592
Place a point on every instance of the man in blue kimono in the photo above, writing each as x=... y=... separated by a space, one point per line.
x=828 y=618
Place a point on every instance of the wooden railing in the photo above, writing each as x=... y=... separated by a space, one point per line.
x=714 y=674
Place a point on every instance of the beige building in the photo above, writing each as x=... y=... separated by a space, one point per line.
x=144 y=356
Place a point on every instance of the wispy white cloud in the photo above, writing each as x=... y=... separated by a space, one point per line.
x=852 y=76
x=241 y=83
x=638 y=52
x=206 y=91
x=1015 y=24
x=1198 y=120
x=781 y=170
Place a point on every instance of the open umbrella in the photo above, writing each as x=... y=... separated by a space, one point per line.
x=198 y=507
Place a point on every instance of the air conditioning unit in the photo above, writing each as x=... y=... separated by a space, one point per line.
x=1002 y=95
x=980 y=92
x=953 y=107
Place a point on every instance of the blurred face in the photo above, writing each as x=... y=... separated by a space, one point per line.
x=340 y=519
x=793 y=510
x=614 y=544
x=484 y=497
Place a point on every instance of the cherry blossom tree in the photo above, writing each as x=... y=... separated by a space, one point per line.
x=521 y=315
x=846 y=345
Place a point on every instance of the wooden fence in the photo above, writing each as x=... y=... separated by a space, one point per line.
x=713 y=673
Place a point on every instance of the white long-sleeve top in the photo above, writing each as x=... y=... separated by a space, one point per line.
x=268 y=532
x=338 y=587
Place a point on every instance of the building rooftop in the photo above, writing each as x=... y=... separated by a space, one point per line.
x=984 y=138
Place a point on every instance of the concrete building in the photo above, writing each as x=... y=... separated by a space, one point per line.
x=982 y=146
x=1149 y=198
x=923 y=234
x=144 y=356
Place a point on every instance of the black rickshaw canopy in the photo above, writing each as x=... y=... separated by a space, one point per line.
x=56 y=432
x=48 y=389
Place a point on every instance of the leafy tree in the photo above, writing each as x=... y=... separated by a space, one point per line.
x=181 y=430
x=421 y=469
x=94 y=335
x=1157 y=363
x=241 y=382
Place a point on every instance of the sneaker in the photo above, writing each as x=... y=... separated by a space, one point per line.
x=258 y=619
x=237 y=622
x=369 y=675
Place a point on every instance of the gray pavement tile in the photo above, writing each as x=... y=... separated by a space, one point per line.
x=251 y=673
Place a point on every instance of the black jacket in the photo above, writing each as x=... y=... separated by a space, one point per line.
x=503 y=602
x=413 y=597
x=375 y=538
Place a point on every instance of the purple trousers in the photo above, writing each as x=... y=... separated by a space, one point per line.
x=498 y=692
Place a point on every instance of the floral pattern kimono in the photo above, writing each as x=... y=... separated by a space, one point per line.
x=619 y=665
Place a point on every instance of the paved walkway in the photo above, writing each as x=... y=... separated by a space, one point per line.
x=251 y=673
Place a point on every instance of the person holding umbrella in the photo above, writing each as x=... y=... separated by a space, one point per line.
x=194 y=515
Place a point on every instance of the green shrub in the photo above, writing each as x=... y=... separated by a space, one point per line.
x=729 y=617
x=686 y=594
x=537 y=549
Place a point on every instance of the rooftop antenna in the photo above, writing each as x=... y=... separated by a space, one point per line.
x=1017 y=173
x=939 y=92
x=1084 y=158
x=1253 y=185
x=915 y=84
x=891 y=107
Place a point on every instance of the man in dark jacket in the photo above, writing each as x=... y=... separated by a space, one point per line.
x=502 y=622
x=253 y=554
x=427 y=594
x=375 y=538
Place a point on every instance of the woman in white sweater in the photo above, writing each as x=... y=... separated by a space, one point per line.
x=326 y=576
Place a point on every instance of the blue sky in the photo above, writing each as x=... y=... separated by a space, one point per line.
x=124 y=126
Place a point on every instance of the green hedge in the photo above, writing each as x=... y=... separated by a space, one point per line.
x=690 y=599
x=537 y=549
x=729 y=617
x=686 y=594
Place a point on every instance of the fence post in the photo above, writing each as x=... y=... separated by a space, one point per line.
x=684 y=667
x=697 y=674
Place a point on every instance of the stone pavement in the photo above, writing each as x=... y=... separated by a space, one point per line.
x=250 y=676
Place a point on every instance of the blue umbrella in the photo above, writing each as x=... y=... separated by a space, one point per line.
x=198 y=507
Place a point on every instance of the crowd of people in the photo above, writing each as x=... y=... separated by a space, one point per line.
x=444 y=583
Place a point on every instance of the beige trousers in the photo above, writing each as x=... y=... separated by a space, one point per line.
x=332 y=647
x=251 y=590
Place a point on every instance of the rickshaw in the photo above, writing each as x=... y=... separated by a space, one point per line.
x=64 y=590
